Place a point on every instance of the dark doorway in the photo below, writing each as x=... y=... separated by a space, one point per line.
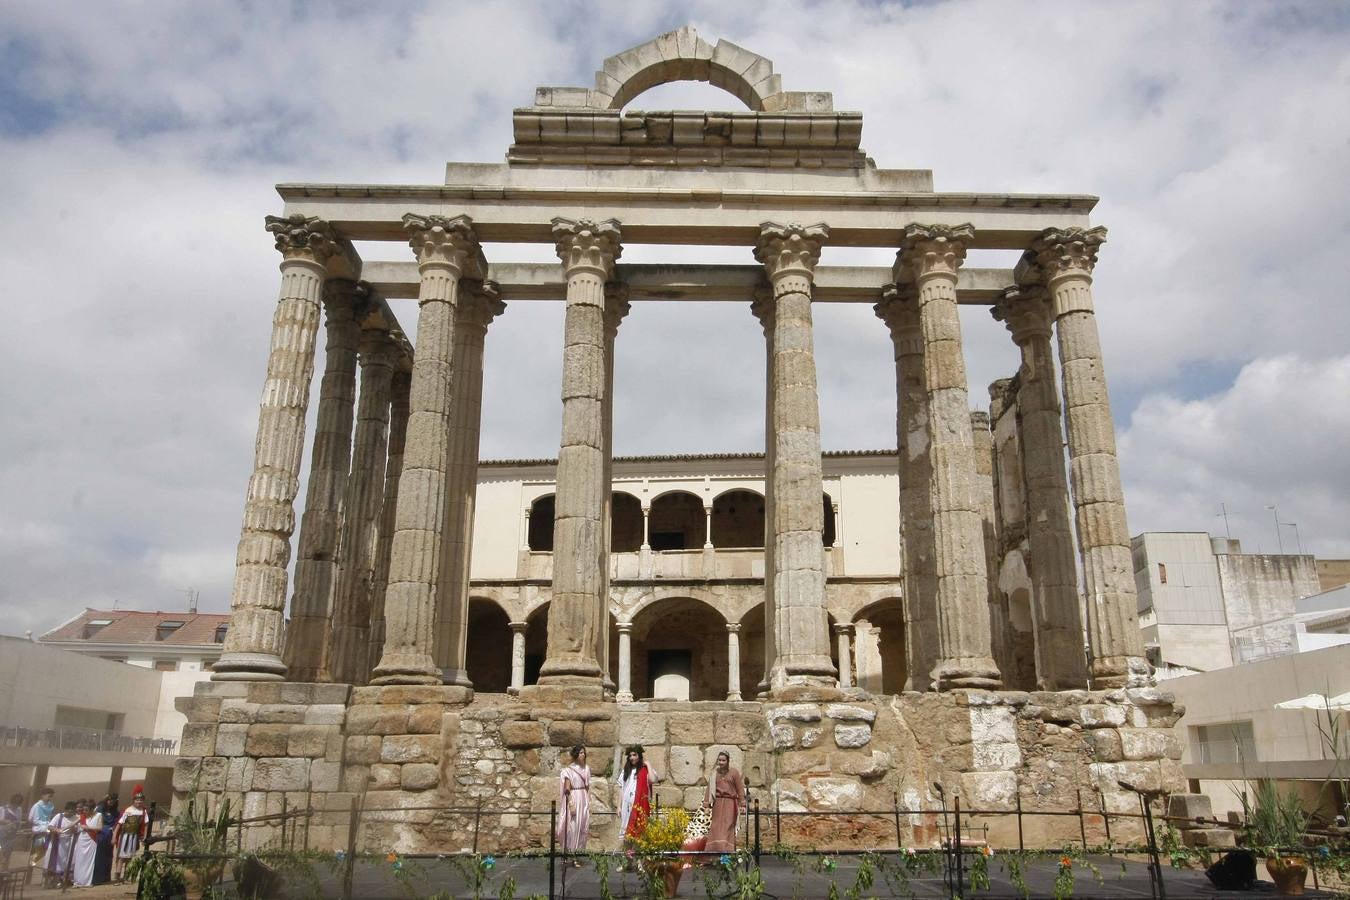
x=671 y=671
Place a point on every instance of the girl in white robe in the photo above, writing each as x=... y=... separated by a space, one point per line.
x=574 y=812
x=86 y=847
x=60 y=843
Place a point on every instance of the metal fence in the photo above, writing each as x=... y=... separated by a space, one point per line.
x=70 y=738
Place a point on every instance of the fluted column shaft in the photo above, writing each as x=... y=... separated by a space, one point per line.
x=580 y=557
x=479 y=304
x=899 y=309
x=444 y=247
x=929 y=259
x=364 y=500
x=624 y=694
x=398 y=433
x=518 y=632
x=763 y=309
x=1066 y=259
x=789 y=255
x=1057 y=621
x=252 y=650
x=316 y=564
x=616 y=308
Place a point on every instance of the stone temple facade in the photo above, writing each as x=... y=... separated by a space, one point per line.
x=1022 y=686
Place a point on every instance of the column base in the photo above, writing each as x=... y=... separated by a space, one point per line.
x=406 y=668
x=564 y=694
x=456 y=676
x=1111 y=672
x=249 y=667
x=623 y=697
x=571 y=671
x=734 y=697
x=967 y=672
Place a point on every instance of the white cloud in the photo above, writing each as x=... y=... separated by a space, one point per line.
x=140 y=284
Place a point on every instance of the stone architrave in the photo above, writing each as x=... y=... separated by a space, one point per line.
x=446 y=249
x=1056 y=616
x=763 y=309
x=899 y=309
x=316 y=564
x=253 y=643
x=1064 y=260
x=398 y=434
x=479 y=304
x=365 y=499
x=789 y=254
x=578 y=611
x=929 y=259
x=616 y=308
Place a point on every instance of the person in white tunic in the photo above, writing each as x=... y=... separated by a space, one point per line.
x=60 y=843
x=87 y=829
x=574 y=818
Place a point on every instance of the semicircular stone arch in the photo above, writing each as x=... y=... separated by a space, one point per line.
x=682 y=55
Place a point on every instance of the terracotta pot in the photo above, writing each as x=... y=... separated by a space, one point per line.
x=1288 y=872
x=672 y=872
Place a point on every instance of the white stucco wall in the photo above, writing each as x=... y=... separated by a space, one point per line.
x=36 y=679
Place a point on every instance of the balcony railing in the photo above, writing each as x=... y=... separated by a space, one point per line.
x=70 y=738
x=722 y=562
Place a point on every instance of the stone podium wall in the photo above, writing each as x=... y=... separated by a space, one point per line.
x=420 y=761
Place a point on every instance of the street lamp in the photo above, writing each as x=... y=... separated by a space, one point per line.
x=1297 y=540
x=1278 y=535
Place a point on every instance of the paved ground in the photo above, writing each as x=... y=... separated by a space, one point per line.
x=428 y=877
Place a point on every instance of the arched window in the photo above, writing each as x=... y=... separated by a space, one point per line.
x=827 y=533
x=540 y=535
x=625 y=534
x=738 y=520
x=677 y=522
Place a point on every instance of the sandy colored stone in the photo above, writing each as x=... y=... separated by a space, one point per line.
x=426 y=719
x=287 y=774
x=198 y=740
x=599 y=733
x=642 y=728
x=267 y=740
x=692 y=727
x=308 y=740
x=377 y=720
x=739 y=728
x=686 y=765
x=411 y=748
x=524 y=734
x=419 y=776
x=851 y=736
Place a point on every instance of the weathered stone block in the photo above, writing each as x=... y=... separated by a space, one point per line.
x=1209 y=837
x=686 y=765
x=842 y=712
x=238 y=711
x=200 y=773
x=692 y=727
x=325 y=714
x=325 y=776
x=849 y=736
x=411 y=748
x=420 y=776
x=281 y=713
x=784 y=736
x=796 y=712
x=996 y=756
x=377 y=720
x=1189 y=807
x=267 y=740
x=800 y=761
x=990 y=790
x=563 y=733
x=992 y=723
x=386 y=777
x=1101 y=716
x=308 y=740
x=1144 y=743
x=231 y=739
x=284 y=774
x=523 y=734
x=426 y=718
x=833 y=793
x=739 y=729
x=364 y=749
x=239 y=774
x=355 y=779
x=203 y=709
x=198 y=740
x=599 y=734
x=642 y=728
x=1104 y=744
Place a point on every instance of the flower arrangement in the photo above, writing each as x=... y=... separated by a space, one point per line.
x=663 y=832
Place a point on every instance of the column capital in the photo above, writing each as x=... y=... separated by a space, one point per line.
x=445 y=241
x=378 y=350
x=928 y=250
x=584 y=244
x=518 y=627
x=303 y=238
x=1025 y=310
x=344 y=299
x=616 y=306
x=899 y=309
x=733 y=628
x=624 y=627
x=762 y=308
x=843 y=628
x=790 y=249
x=479 y=302
x=1063 y=252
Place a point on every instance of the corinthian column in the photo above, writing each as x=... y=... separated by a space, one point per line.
x=1064 y=259
x=1057 y=622
x=789 y=254
x=365 y=498
x=929 y=260
x=899 y=309
x=578 y=611
x=616 y=309
x=252 y=650
x=479 y=304
x=316 y=564
x=398 y=433
x=763 y=309
x=444 y=248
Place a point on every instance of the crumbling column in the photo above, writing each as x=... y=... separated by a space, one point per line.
x=1065 y=259
x=929 y=260
x=364 y=500
x=1057 y=621
x=578 y=610
x=518 y=632
x=789 y=254
x=316 y=564
x=398 y=433
x=252 y=650
x=899 y=309
x=444 y=248
x=733 y=661
x=479 y=304
x=616 y=308
x=625 y=691
x=763 y=309
x=843 y=634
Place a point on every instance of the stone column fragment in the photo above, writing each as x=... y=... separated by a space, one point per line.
x=252 y=650
x=518 y=632
x=789 y=254
x=445 y=247
x=899 y=309
x=843 y=633
x=733 y=661
x=479 y=304
x=1057 y=622
x=316 y=564
x=364 y=502
x=625 y=688
x=580 y=558
x=398 y=433
x=929 y=260
x=1064 y=259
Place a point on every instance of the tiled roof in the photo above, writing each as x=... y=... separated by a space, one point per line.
x=129 y=626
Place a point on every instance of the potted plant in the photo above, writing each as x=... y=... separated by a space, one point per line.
x=200 y=835
x=1276 y=822
x=658 y=851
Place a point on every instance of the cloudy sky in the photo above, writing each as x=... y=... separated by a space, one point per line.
x=139 y=143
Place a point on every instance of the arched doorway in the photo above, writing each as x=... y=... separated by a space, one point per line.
x=536 y=642
x=677 y=522
x=738 y=520
x=827 y=531
x=625 y=533
x=539 y=535
x=488 y=653
x=679 y=651
x=880 y=662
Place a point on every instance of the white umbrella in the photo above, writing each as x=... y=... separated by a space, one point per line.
x=1317 y=701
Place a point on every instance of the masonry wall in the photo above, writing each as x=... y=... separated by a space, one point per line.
x=1259 y=593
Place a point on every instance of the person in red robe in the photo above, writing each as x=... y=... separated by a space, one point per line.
x=635 y=793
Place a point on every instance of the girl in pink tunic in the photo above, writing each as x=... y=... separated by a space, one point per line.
x=574 y=808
